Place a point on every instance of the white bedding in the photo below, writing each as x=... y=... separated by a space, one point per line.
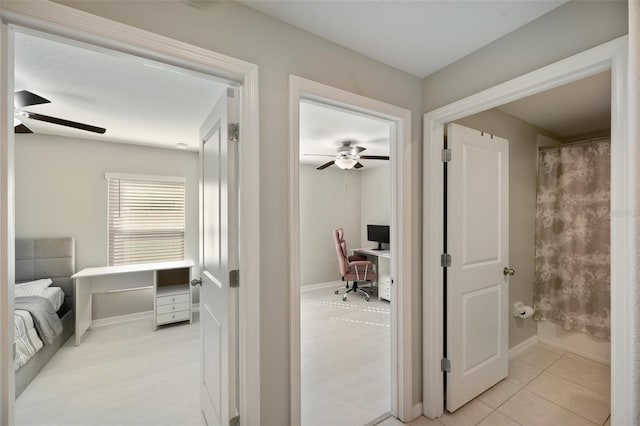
x=27 y=340
x=55 y=295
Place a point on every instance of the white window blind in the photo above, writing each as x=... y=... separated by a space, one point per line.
x=146 y=219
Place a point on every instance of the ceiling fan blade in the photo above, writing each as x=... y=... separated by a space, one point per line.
x=21 y=128
x=374 y=157
x=62 y=122
x=25 y=98
x=358 y=165
x=320 y=155
x=325 y=165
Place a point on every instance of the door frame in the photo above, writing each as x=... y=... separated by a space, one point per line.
x=401 y=172
x=611 y=55
x=58 y=20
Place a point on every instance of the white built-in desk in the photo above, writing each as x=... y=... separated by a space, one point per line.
x=383 y=269
x=373 y=252
x=169 y=280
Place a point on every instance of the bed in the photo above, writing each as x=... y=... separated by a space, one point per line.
x=43 y=258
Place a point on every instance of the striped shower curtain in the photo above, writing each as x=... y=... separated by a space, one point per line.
x=572 y=265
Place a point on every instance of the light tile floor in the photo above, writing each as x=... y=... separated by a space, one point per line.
x=122 y=375
x=546 y=386
x=345 y=358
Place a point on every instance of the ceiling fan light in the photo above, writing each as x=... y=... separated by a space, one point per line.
x=345 y=163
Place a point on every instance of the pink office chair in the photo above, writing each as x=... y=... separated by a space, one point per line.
x=356 y=269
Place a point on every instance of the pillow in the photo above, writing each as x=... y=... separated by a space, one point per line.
x=32 y=288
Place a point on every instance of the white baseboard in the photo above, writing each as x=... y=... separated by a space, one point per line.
x=416 y=411
x=121 y=318
x=576 y=351
x=319 y=286
x=523 y=346
x=118 y=319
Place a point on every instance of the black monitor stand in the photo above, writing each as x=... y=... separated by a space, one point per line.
x=379 y=246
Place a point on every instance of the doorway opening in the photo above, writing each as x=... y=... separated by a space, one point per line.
x=534 y=357
x=155 y=64
x=552 y=268
x=143 y=163
x=393 y=124
x=345 y=266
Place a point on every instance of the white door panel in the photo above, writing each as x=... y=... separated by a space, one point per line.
x=477 y=240
x=218 y=227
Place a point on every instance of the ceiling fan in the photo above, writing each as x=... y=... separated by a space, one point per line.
x=348 y=156
x=24 y=98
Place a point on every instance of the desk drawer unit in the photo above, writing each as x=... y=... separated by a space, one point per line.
x=384 y=288
x=172 y=296
x=172 y=317
x=170 y=300
x=174 y=307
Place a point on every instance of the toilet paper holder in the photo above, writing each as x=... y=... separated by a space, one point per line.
x=520 y=310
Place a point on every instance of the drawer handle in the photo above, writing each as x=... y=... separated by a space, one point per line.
x=173 y=299
x=173 y=316
x=173 y=307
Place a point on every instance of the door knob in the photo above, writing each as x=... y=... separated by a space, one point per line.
x=508 y=271
x=196 y=281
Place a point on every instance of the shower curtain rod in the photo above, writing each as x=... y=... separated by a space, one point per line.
x=561 y=145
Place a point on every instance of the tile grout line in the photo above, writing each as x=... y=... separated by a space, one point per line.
x=552 y=402
x=587 y=387
x=500 y=412
x=535 y=377
x=491 y=412
x=579 y=384
x=507 y=400
x=521 y=388
x=560 y=406
x=532 y=365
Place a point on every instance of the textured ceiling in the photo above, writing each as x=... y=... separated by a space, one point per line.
x=419 y=37
x=137 y=101
x=322 y=128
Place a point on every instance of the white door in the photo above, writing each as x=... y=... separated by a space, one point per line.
x=478 y=242
x=218 y=238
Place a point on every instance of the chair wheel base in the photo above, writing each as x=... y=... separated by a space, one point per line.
x=344 y=299
x=336 y=292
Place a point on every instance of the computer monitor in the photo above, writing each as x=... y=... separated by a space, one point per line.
x=378 y=234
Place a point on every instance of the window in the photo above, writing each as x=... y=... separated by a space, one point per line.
x=146 y=218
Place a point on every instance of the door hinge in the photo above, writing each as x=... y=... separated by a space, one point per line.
x=234 y=132
x=234 y=421
x=445 y=260
x=445 y=365
x=234 y=278
x=446 y=155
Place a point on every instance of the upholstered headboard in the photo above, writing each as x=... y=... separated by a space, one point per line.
x=54 y=258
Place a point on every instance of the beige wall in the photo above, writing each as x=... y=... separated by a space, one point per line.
x=376 y=199
x=333 y=198
x=571 y=28
x=523 y=157
x=61 y=191
x=329 y=199
x=280 y=50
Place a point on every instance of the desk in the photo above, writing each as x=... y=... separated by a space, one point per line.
x=109 y=278
x=383 y=269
